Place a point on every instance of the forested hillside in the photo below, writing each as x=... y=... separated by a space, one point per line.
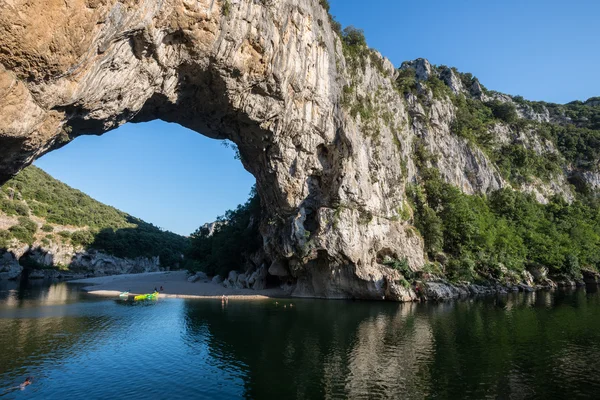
x=37 y=207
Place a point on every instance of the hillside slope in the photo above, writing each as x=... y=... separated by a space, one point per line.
x=47 y=224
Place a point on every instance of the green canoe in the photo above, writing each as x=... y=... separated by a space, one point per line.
x=152 y=296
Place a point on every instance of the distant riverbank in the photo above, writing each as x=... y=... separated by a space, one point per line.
x=175 y=285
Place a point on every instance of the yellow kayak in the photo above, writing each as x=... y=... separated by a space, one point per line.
x=152 y=296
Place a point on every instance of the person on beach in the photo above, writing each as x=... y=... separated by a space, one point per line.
x=162 y=289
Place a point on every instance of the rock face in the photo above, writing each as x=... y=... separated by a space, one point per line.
x=92 y=262
x=273 y=72
x=70 y=263
x=268 y=75
x=9 y=267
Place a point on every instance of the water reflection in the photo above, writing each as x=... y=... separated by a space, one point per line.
x=542 y=345
x=514 y=346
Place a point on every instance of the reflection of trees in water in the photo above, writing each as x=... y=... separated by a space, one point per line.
x=512 y=347
x=518 y=346
x=318 y=349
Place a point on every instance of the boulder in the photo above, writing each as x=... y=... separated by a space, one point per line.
x=197 y=276
x=590 y=277
x=258 y=279
x=442 y=290
x=217 y=279
x=232 y=277
x=528 y=278
x=241 y=282
x=278 y=268
x=539 y=273
x=9 y=267
x=396 y=291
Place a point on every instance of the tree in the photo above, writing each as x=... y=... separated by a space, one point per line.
x=354 y=37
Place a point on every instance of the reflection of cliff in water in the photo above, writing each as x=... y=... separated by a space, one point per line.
x=389 y=353
x=38 y=292
x=317 y=349
x=42 y=333
x=469 y=349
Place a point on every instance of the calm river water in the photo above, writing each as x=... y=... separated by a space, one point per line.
x=541 y=345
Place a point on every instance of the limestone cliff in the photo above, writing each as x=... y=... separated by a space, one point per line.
x=322 y=125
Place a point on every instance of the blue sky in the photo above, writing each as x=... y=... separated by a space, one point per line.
x=178 y=179
x=160 y=172
x=541 y=49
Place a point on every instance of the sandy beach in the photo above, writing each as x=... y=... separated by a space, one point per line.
x=175 y=285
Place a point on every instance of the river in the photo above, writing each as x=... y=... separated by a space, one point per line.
x=519 y=346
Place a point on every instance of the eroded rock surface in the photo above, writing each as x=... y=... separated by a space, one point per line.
x=269 y=75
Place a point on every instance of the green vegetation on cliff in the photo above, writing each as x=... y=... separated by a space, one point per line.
x=477 y=236
x=34 y=193
x=236 y=235
x=573 y=130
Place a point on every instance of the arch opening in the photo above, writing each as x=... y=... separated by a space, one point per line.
x=269 y=77
x=108 y=164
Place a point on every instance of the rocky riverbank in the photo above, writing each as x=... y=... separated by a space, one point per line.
x=430 y=288
x=81 y=264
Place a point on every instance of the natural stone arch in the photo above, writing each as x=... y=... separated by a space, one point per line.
x=265 y=74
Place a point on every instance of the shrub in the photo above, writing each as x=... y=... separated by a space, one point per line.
x=472 y=120
x=226 y=10
x=47 y=228
x=406 y=81
x=82 y=238
x=506 y=112
x=572 y=267
x=24 y=230
x=21 y=234
x=5 y=237
x=400 y=266
x=65 y=235
x=438 y=87
x=21 y=208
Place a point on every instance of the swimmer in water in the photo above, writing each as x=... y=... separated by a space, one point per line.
x=27 y=382
x=22 y=386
